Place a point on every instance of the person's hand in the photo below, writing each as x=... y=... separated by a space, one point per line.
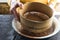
x=13 y=7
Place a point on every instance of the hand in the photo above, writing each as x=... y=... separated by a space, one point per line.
x=13 y=7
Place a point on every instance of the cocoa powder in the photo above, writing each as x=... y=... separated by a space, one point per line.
x=36 y=16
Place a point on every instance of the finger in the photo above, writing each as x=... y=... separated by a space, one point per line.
x=10 y=11
x=20 y=5
x=16 y=15
x=16 y=6
x=13 y=10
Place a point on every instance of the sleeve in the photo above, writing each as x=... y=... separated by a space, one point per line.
x=10 y=2
x=13 y=3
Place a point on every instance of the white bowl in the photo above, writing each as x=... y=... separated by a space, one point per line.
x=16 y=25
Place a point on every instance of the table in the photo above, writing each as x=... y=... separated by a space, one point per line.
x=6 y=30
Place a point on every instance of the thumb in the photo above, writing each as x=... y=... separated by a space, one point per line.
x=20 y=5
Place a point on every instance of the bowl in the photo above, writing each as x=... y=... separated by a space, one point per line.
x=35 y=26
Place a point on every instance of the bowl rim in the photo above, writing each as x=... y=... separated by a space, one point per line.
x=57 y=29
x=21 y=13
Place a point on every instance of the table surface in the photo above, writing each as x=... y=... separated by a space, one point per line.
x=6 y=32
